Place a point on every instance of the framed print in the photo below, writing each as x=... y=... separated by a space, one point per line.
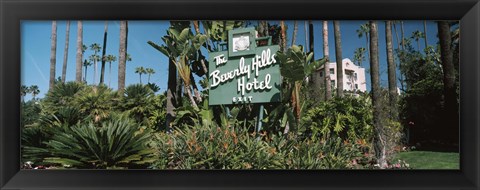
x=198 y=95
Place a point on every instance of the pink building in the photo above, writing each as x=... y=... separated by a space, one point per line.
x=353 y=76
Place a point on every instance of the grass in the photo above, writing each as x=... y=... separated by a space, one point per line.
x=430 y=160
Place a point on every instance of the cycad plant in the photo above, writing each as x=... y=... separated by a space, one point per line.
x=137 y=101
x=117 y=143
x=95 y=101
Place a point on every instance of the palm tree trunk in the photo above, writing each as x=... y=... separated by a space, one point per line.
x=149 y=78
x=338 y=55
x=295 y=30
x=85 y=78
x=379 y=137
x=122 y=57
x=140 y=74
x=65 y=53
x=306 y=35
x=403 y=35
x=392 y=84
x=94 y=71
x=195 y=89
x=328 y=87
x=53 y=54
x=109 y=73
x=79 y=58
x=425 y=32
x=190 y=96
x=104 y=51
x=396 y=34
x=283 y=34
x=451 y=106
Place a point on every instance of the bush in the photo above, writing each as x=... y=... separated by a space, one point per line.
x=118 y=143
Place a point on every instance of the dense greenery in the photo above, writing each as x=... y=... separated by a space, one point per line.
x=77 y=125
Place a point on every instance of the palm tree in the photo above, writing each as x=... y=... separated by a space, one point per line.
x=379 y=141
x=24 y=90
x=65 y=53
x=449 y=78
x=104 y=51
x=363 y=31
x=295 y=30
x=34 y=90
x=425 y=33
x=416 y=35
x=122 y=58
x=328 y=87
x=338 y=55
x=53 y=54
x=110 y=59
x=149 y=71
x=86 y=63
x=79 y=58
x=283 y=35
x=392 y=84
x=95 y=48
x=359 y=55
x=140 y=71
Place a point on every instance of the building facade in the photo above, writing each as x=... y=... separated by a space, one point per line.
x=353 y=76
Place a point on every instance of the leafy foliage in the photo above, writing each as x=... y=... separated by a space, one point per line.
x=118 y=143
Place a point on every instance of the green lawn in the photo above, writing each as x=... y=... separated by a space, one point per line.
x=430 y=160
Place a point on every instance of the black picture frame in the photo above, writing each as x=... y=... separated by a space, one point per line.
x=12 y=12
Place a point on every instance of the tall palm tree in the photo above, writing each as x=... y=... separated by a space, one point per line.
x=110 y=59
x=122 y=56
x=86 y=63
x=392 y=84
x=451 y=106
x=65 y=53
x=95 y=48
x=94 y=59
x=53 y=54
x=379 y=141
x=149 y=71
x=34 y=90
x=363 y=31
x=104 y=52
x=140 y=71
x=79 y=58
x=328 y=87
x=295 y=31
x=338 y=55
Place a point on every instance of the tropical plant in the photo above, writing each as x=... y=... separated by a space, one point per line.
x=24 y=90
x=359 y=55
x=137 y=102
x=140 y=71
x=417 y=35
x=62 y=95
x=117 y=143
x=86 y=63
x=110 y=59
x=364 y=31
x=34 y=90
x=95 y=48
x=95 y=101
x=149 y=71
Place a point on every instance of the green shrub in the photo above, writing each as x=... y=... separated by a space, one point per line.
x=117 y=143
x=349 y=118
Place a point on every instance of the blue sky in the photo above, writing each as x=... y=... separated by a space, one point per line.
x=35 y=48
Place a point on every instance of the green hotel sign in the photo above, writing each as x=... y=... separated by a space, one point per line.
x=245 y=73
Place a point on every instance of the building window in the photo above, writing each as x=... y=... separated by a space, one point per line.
x=321 y=73
x=332 y=72
x=356 y=86
x=355 y=75
x=332 y=82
